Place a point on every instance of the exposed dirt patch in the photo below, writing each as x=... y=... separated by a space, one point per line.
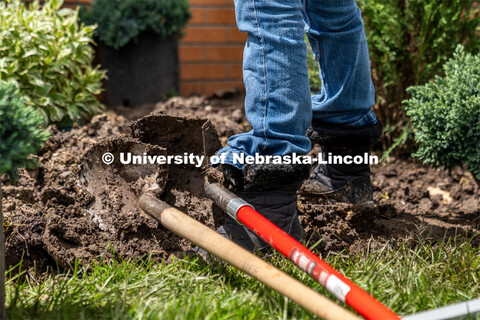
x=48 y=203
x=75 y=207
x=430 y=201
x=411 y=202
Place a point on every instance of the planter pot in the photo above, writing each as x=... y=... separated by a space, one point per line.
x=141 y=72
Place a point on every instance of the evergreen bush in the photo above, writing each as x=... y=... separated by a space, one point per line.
x=445 y=115
x=20 y=131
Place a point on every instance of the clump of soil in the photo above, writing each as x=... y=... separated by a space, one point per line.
x=179 y=135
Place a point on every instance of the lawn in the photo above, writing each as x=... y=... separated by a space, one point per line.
x=406 y=278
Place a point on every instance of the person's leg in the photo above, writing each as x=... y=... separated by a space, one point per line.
x=278 y=106
x=337 y=36
x=275 y=74
x=343 y=122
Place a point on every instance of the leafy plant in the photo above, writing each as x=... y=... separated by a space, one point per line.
x=20 y=131
x=409 y=40
x=445 y=115
x=47 y=54
x=122 y=21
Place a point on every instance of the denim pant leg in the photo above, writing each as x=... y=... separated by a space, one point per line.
x=336 y=33
x=278 y=101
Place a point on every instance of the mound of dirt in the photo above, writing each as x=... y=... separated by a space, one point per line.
x=48 y=202
x=74 y=206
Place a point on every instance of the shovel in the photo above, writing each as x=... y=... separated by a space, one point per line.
x=232 y=253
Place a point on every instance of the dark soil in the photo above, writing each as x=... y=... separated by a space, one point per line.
x=412 y=202
x=75 y=207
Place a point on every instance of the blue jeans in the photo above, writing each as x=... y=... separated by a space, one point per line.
x=278 y=103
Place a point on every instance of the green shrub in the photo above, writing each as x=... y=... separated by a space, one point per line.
x=122 y=21
x=445 y=115
x=409 y=40
x=49 y=57
x=20 y=131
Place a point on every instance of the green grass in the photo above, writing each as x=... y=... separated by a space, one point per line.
x=404 y=278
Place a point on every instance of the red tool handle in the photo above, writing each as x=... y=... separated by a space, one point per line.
x=318 y=269
x=306 y=260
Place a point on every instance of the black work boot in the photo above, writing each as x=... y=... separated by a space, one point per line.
x=348 y=183
x=272 y=190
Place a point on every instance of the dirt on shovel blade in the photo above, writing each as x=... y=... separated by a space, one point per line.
x=180 y=135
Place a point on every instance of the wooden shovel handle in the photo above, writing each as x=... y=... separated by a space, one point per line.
x=224 y=249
